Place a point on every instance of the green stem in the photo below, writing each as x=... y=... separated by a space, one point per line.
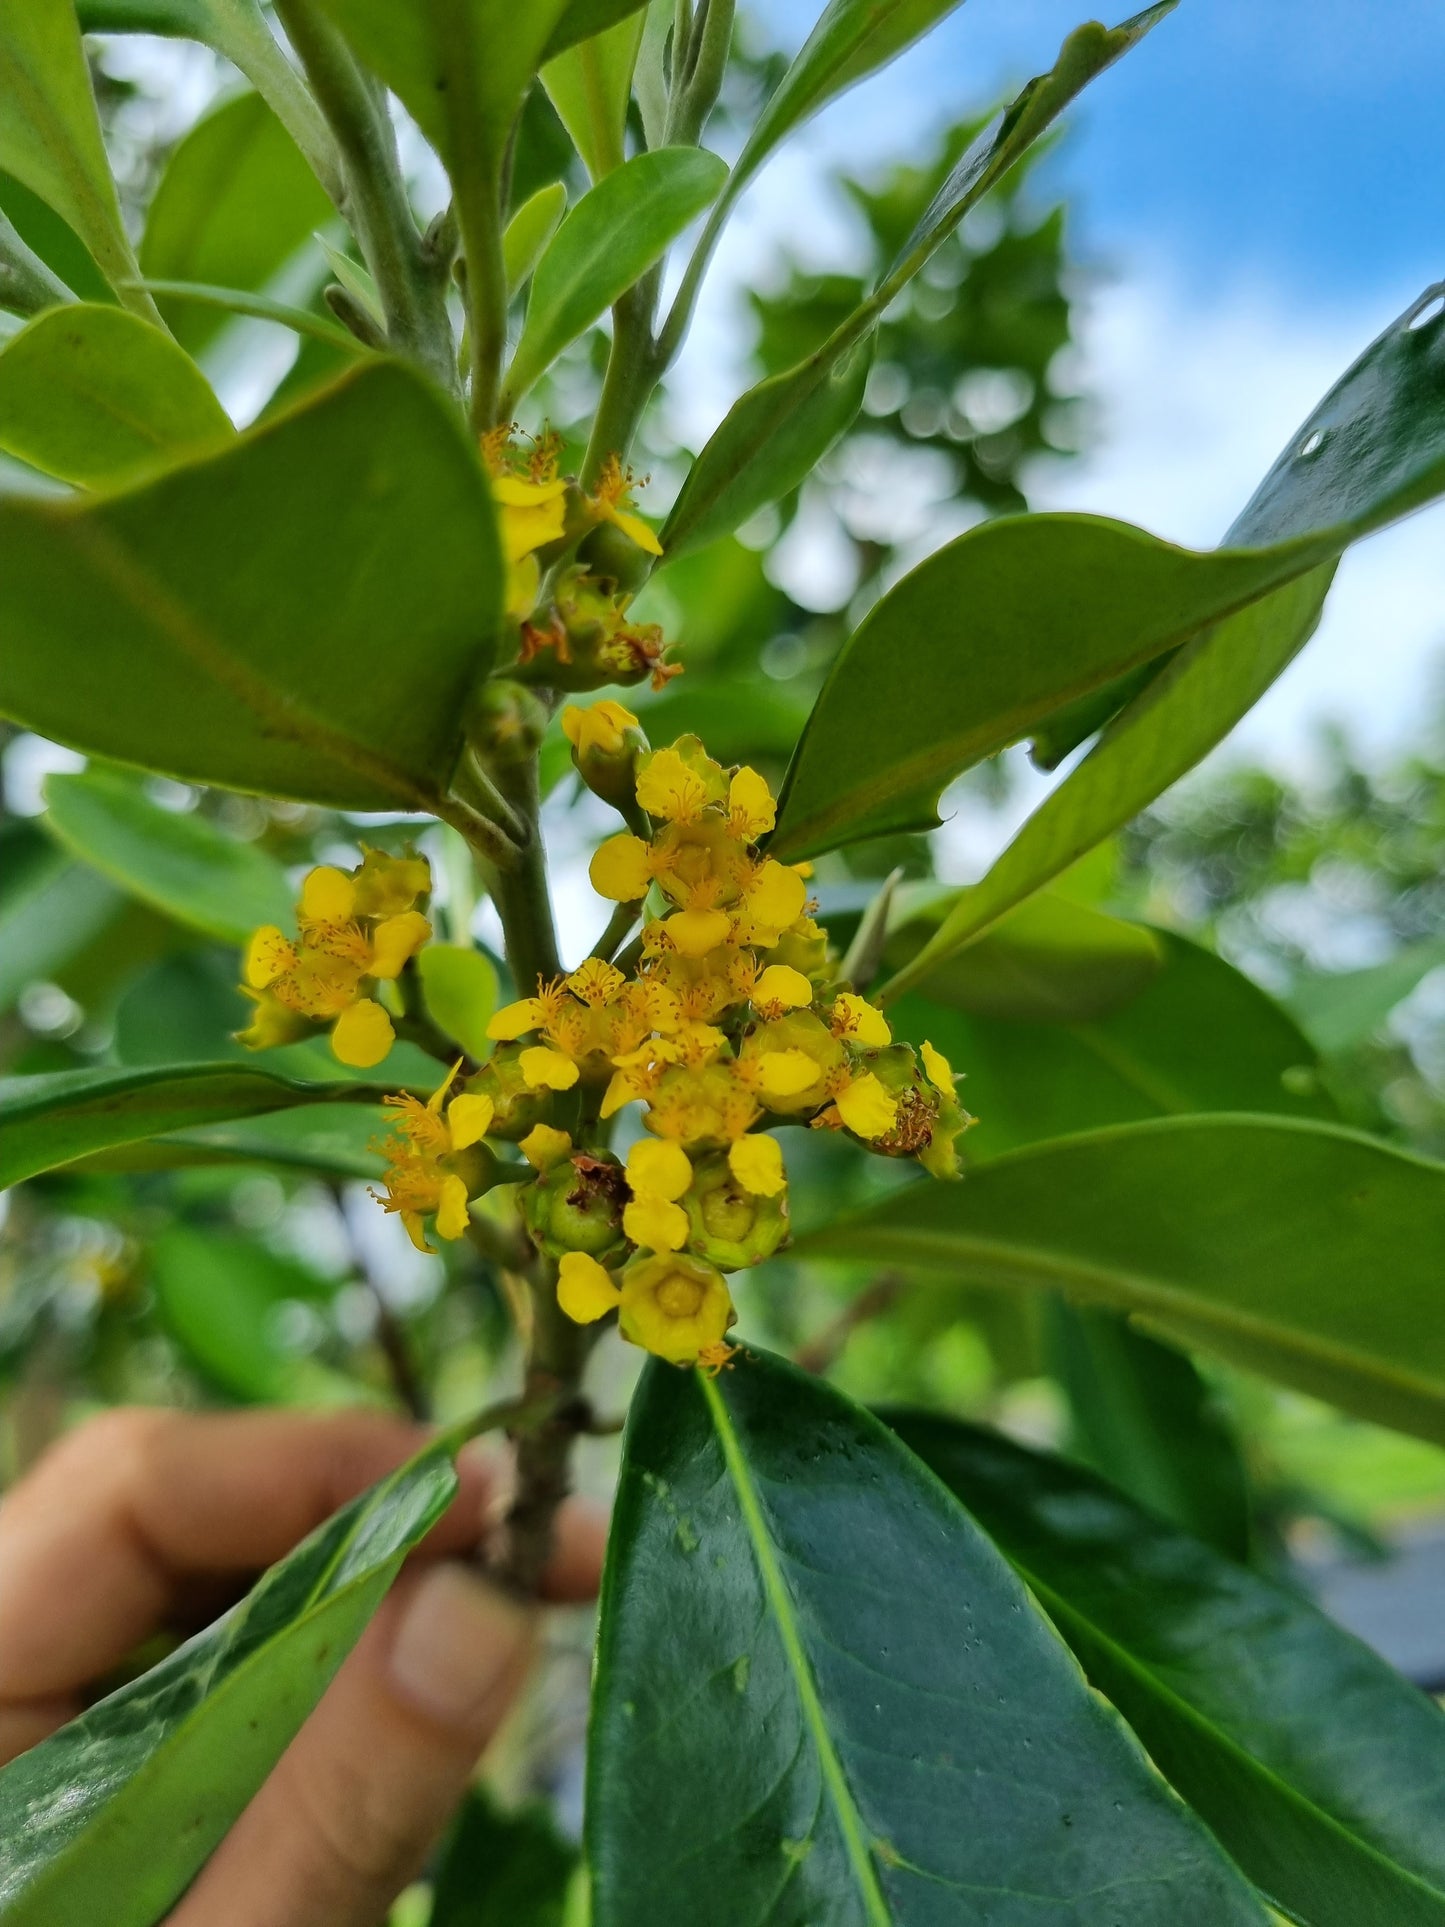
x=375 y=201
x=629 y=382
x=619 y=925
x=479 y=220
x=696 y=85
x=26 y=284
x=522 y=896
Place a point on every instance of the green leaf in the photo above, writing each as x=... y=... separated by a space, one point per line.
x=356 y=280
x=1340 y=1009
x=180 y=19
x=529 y=231
x=982 y=640
x=460 y=67
x=822 y=1696
x=337 y=1140
x=1316 y=1767
x=502 y=1869
x=1053 y=961
x=97 y=396
x=1297 y=1249
x=219 y=1296
x=59 y=1116
x=607 y=241
x=110 y=1818
x=582 y=18
x=50 y=908
x=590 y=85
x=1084 y=55
x=326 y=656
x=179 y=863
x=1142 y=1414
x=769 y=440
x=459 y=986
x=236 y=301
x=49 y=131
x=1199 y=1036
x=235 y=202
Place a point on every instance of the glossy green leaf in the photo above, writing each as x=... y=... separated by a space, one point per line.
x=52 y=1119
x=326 y=656
x=179 y=862
x=337 y=1140
x=1340 y=1009
x=1297 y=1249
x=982 y=640
x=49 y=130
x=501 y=1869
x=1143 y=1415
x=590 y=85
x=1052 y=961
x=260 y=307
x=50 y=908
x=56 y=243
x=459 y=986
x=822 y=1696
x=1084 y=55
x=235 y=202
x=110 y=1818
x=769 y=440
x=610 y=238
x=1318 y=1768
x=98 y=396
x=460 y=67
x=529 y=231
x=182 y=19
x=580 y=19
x=220 y=1296
x=1199 y=1036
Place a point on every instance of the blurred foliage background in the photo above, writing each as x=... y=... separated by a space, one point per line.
x=247 y=1263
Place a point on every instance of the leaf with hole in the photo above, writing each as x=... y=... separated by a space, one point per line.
x=1316 y=1767
x=110 y=1818
x=1297 y=1249
x=52 y=1119
x=919 y=1746
x=326 y=657
x=97 y=397
x=606 y=243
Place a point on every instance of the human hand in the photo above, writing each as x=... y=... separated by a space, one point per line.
x=140 y=1518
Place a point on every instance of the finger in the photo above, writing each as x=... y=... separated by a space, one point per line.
x=114 y=1527
x=354 y=1805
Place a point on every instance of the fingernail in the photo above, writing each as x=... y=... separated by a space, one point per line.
x=460 y=1649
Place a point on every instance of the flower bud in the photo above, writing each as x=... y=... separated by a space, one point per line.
x=606 y=742
x=612 y=556
x=728 y=1226
x=517 y=1105
x=506 y=723
x=577 y=1206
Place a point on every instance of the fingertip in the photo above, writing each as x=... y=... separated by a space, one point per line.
x=459 y=1649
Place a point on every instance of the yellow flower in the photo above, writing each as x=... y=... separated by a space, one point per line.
x=774 y=897
x=677 y=784
x=585 y=1290
x=674 y=1306
x=621 y=868
x=751 y=809
x=694 y=933
x=756 y=1161
x=362 y=1035
x=421 y=1178
x=532 y=513
x=937 y=1069
x=856 y=1018
x=780 y=988
x=613 y=503
x=601 y=728
x=865 y=1107
x=547 y=1070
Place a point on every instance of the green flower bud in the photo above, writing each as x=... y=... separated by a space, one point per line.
x=607 y=740
x=730 y=1227
x=517 y=1106
x=577 y=1206
x=614 y=557
x=506 y=723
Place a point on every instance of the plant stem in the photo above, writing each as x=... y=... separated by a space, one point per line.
x=619 y=924
x=26 y=284
x=375 y=201
x=479 y=220
x=522 y=896
x=630 y=379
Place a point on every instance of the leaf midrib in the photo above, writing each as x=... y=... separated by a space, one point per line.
x=775 y=1587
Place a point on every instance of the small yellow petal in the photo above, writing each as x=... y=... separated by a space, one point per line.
x=855 y=1017
x=695 y=932
x=515 y=1020
x=469 y=1118
x=327 y=896
x=937 y=1068
x=780 y=984
x=620 y=870
x=756 y=1161
x=866 y=1108
x=452 y=1216
x=636 y=529
x=362 y=1035
x=751 y=809
x=524 y=583
x=547 y=1070
x=776 y=895
x=515 y=492
x=524 y=529
x=269 y=955
x=544 y=1145
x=655 y=1224
x=395 y=941
x=657 y=1166
x=783 y=1073
x=411 y=1220
x=584 y=1290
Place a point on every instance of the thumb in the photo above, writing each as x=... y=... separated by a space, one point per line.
x=348 y=1815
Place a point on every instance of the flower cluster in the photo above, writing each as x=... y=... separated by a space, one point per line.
x=354 y=932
